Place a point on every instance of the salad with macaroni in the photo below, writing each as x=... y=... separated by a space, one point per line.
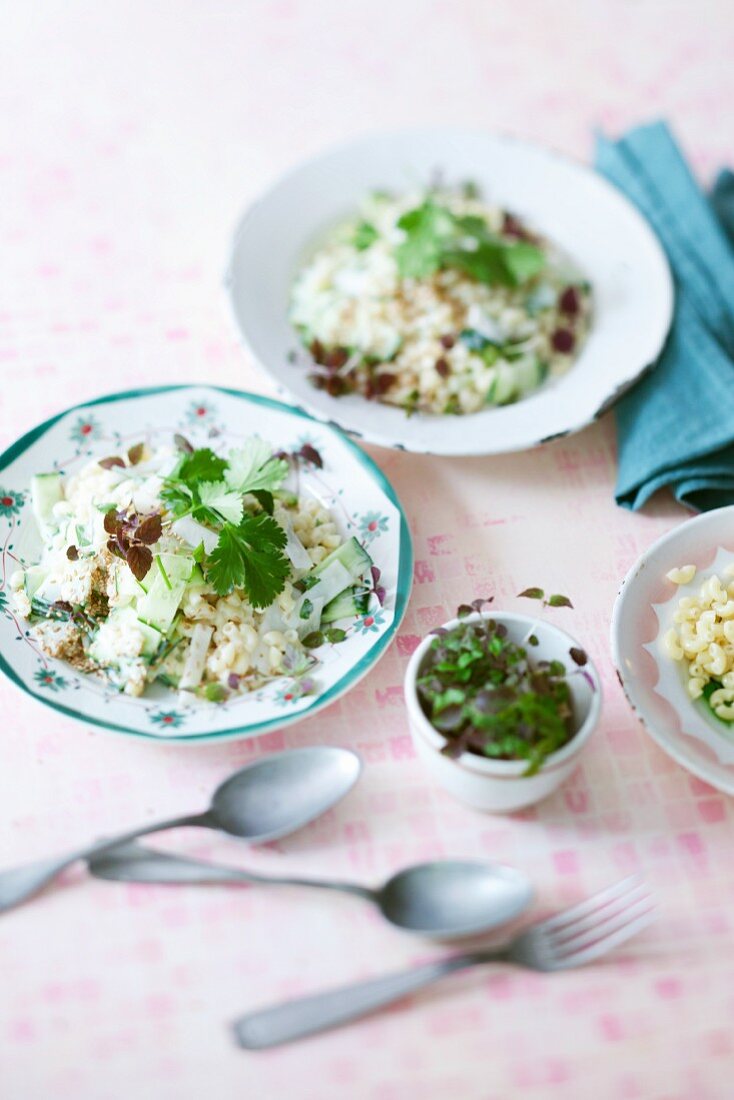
x=208 y=574
x=438 y=302
x=703 y=637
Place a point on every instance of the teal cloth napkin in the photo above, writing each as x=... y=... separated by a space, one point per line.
x=676 y=426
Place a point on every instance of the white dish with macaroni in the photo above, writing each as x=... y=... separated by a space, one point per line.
x=666 y=662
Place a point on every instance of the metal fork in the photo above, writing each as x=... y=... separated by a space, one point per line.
x=576 y=936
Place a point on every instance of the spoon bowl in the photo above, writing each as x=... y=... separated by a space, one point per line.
x=451 y=898
x=280 y=794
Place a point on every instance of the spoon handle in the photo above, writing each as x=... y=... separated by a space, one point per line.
x=137 y=863
x=308 y=1015
x=20 y=883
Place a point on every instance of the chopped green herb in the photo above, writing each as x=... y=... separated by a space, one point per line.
x=214 y=693
x=559 y=601
x=335 y=635
x=313 y=640
x=483 y=693
x=365 y=235
x=250 y=556
x=436 y=238
x=162 y=571
x=306 y=609
x=531 y=594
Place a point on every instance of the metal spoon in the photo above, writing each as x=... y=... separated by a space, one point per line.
x=445 y=899
x=265 y=800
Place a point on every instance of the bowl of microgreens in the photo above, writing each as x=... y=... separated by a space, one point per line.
x=500 y=705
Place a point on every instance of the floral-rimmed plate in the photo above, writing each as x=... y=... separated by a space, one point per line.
x=350 y=484
x=654 y=684
x=602 y=232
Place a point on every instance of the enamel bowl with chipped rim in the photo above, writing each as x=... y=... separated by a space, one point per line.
x=565 y=200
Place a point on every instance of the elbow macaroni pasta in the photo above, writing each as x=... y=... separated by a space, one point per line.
x=703 y=635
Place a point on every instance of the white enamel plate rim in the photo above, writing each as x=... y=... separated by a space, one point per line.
x=572 y=204
x=361 y=496
x=682 y=730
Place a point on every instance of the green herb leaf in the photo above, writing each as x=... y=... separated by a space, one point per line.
x=559 y=601
x=531 y=594
x=365 y=235
x=162 y=571
x=217 y=496
x=178 y=498
x=426 y=228
x=250 y=556
x=254 y=467
x=265 y=500
x=200 y=465
x=306 y=610
x=214 y=693
x=335 y=635
x=313 y=640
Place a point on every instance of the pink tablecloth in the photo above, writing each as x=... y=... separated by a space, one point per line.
x=130 y=136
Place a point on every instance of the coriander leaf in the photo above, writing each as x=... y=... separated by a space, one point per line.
x=485 y=263
x=177 y=497
x=200 y=465
x=216 y=495
x=523 y=261
x=265 y=500
x=426 y=229
x=365 y=234
x=250 y=556
x=255 y=467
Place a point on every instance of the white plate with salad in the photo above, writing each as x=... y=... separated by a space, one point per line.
x=449 y=292
x=194 y=563
x=673 y=644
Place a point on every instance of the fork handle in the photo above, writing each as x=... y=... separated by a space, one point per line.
x=307 y=1015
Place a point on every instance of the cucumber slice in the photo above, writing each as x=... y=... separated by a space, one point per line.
x=152 y=637
x=296 y=551
x=329 y=583
x=504 y=387
x=352 y=555
x=349 y=605
x=338 y=571
x=193 y=532
x=160 y=603
x=46 y=490
x=310 y=611
x=33 y=578
x=529 y=373
x=195 y=662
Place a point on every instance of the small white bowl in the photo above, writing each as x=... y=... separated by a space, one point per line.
x=499 y=786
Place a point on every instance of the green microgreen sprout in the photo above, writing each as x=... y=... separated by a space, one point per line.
x=486 y=695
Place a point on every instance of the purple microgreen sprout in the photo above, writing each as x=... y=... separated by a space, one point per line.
x=485 y=695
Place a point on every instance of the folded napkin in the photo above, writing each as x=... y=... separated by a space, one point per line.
x=676 y=426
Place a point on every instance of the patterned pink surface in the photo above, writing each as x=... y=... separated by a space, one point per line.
x=130 y=137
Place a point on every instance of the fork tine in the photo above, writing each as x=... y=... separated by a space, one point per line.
x=633 y=923
x=600 y=916
x=596 y=901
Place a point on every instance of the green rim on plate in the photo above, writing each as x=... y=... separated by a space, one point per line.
x=402 y=593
